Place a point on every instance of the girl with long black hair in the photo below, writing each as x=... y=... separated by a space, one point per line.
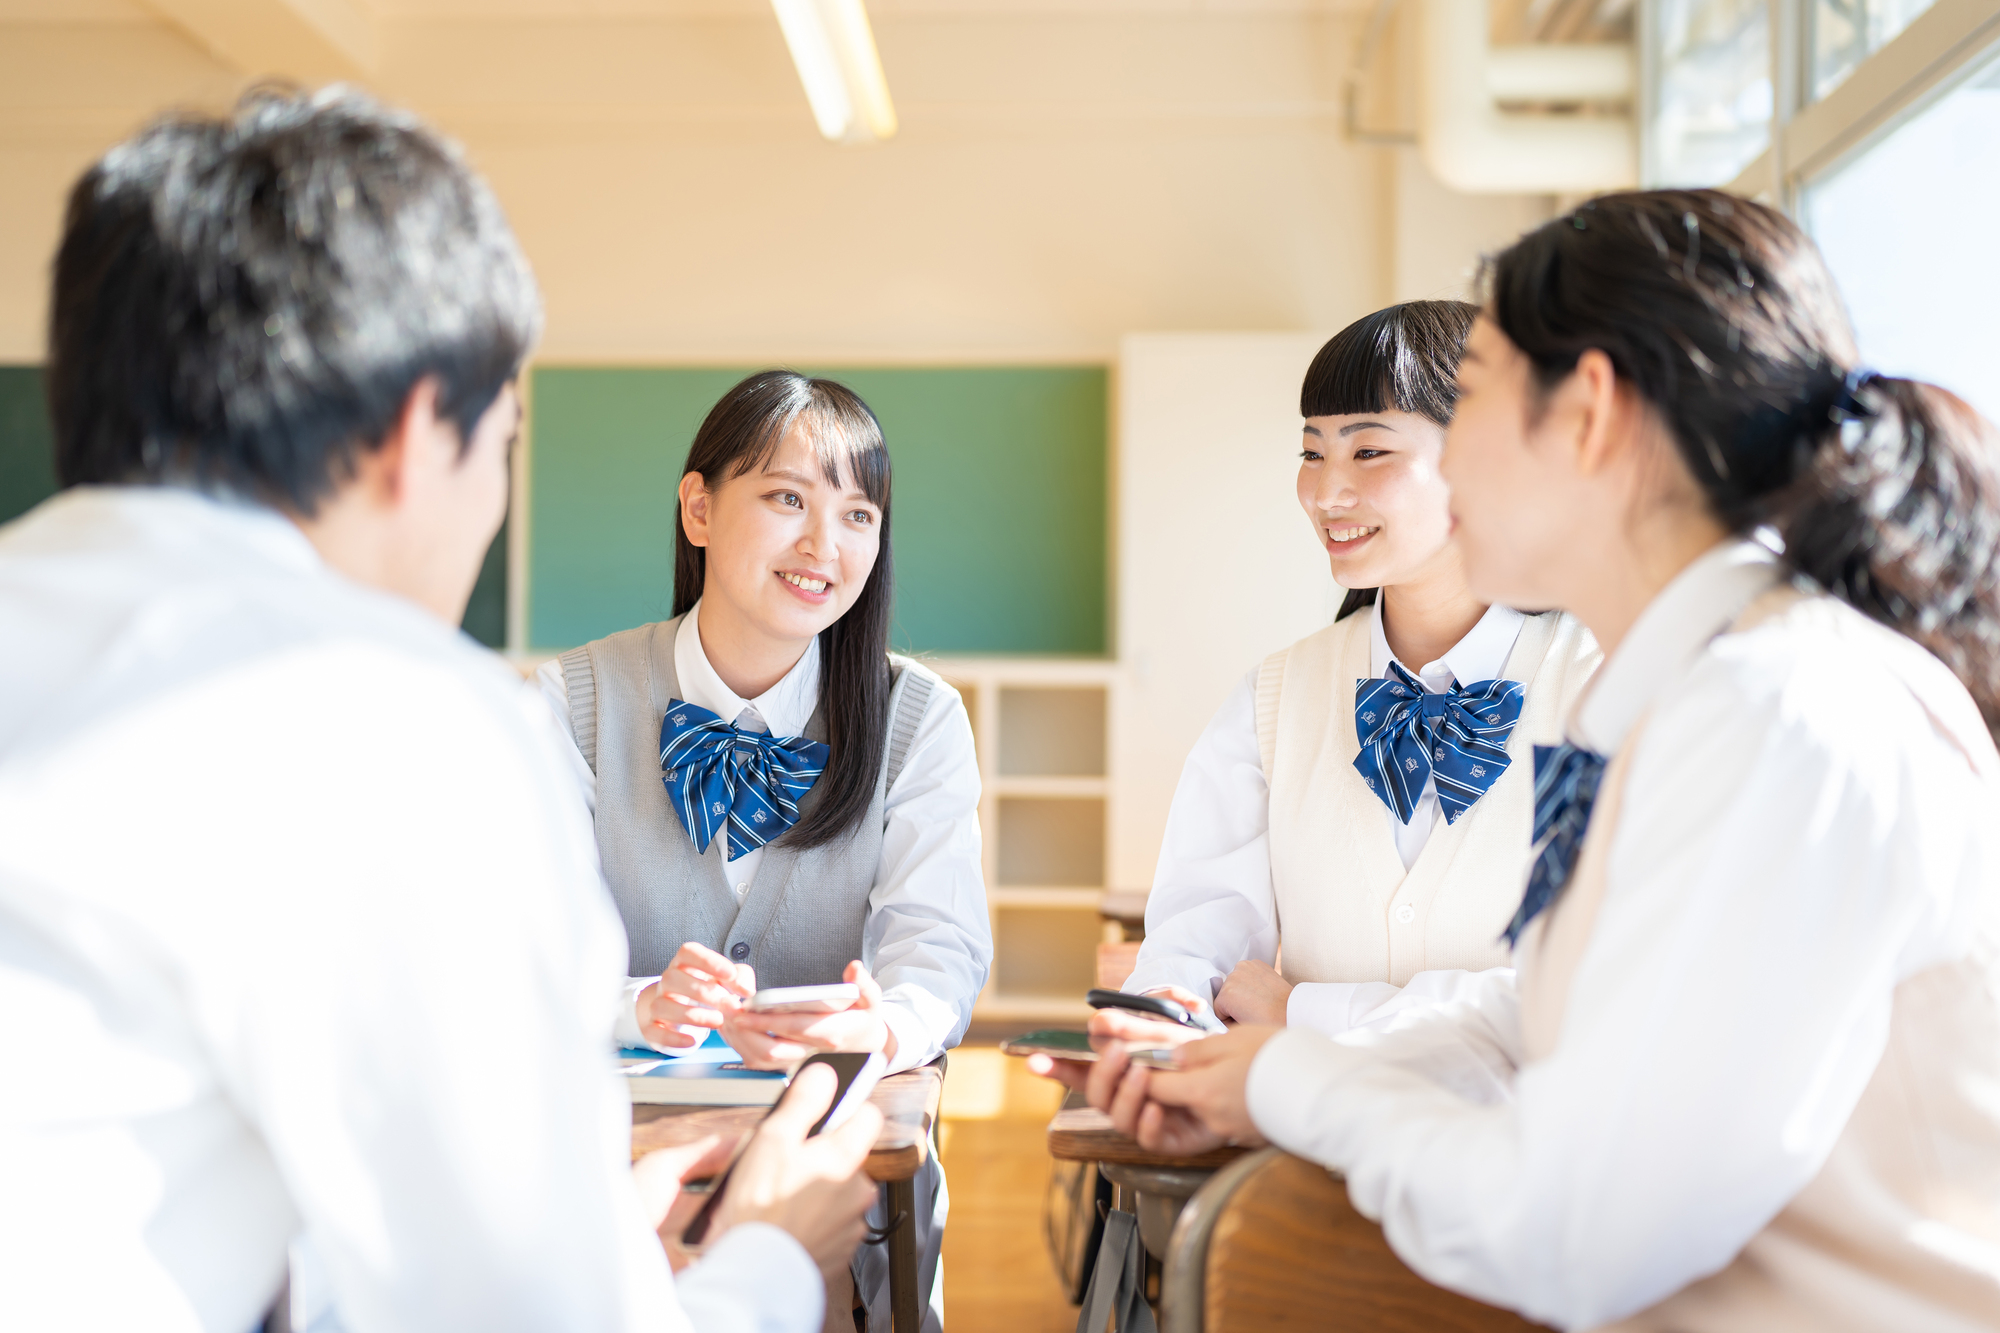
x=778 y=800
x=1752 y=1051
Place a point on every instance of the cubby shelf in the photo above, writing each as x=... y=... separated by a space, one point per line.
x=1041 y=729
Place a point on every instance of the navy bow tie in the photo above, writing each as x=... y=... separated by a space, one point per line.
x=718 y=775
x=1566 y=779
x=1410 y=735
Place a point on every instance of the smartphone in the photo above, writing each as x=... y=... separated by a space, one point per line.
x=1061 y=1043
x=1157 y=1059
x=806 y=999
x=857 y=1073
x=1153 y=1006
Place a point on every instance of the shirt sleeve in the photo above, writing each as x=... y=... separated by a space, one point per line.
x=1211 y=906
x=1770 y=882
x=1334 y=1007
x=928 y=939
x=755 y=1279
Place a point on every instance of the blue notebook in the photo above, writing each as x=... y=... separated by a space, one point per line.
x=709 y=1075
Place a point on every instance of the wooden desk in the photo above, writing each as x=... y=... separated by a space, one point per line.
x=909 y=1106
x=1084 y=1134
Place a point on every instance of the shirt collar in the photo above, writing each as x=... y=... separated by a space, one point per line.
x=1481 y=655
x=785 y=708
x=1674 y=629
x=175 y=512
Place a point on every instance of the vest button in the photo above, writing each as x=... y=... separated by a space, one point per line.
x=1406 y=914
x=739 y=951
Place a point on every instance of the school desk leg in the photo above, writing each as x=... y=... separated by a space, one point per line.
x=905 y=1308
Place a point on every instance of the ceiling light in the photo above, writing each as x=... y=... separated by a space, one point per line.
x=842 y=74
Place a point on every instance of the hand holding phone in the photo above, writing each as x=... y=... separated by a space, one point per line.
x=1152 y=1006
x=801 y=1020
x=832 y=1110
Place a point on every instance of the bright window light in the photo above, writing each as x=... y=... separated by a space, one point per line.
x=1907 y=228
x=835 y=53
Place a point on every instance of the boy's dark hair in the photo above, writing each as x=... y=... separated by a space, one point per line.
x=1402 y=359
x=739 y=435
x=246 y=301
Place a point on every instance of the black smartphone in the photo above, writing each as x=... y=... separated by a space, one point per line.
x=1153 y=1006
x=857 y=1071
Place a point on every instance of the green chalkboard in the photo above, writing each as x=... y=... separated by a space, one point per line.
x=1000 y=508
x=27 y=468
x=27 y=477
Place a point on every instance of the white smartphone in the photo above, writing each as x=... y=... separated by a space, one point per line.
x=806 y=999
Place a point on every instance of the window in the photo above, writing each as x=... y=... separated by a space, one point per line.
x=1907 y=227
x=1712 y=107
x=1846 y=32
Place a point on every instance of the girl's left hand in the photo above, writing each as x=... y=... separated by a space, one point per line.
x=778 y=1041
x=1254 y=992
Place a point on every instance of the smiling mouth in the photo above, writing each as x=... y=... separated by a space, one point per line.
x=805 y=584
x=1349 y=535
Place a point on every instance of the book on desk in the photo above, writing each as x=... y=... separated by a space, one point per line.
x=710 y=1075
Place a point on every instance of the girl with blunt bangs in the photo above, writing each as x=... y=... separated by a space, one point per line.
x=1749 y=1055
x=778 y=800
x=1370 y=786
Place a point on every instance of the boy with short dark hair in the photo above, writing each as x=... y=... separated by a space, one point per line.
x=296 y=934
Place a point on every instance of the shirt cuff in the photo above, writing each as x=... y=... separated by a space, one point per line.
x=914 y=1046
x=625 y=1031
x=755 y=1279
x=1333 y=1007
x=1291 y=1084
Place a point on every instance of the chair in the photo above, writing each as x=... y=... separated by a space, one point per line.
x=1271 y=1242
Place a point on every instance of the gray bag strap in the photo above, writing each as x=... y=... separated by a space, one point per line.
x=580 y=684
x=912 y=699
x=1118 y=1282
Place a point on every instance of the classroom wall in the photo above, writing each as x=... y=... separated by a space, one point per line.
x=1064 y=174
x=1217 y=565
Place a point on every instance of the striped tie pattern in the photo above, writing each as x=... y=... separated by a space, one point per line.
x=1410 y=736
x=719 y=776
x=1566 y=779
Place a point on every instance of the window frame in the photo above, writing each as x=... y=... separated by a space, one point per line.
x=1811 y=138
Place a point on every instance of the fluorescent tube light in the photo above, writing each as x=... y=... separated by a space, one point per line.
x=835 y=54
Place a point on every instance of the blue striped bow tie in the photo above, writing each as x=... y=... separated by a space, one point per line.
x=1566 y=779
x=720 y=776
x=1410 y=735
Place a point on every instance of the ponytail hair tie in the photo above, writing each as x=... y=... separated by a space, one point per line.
x=1847 y=402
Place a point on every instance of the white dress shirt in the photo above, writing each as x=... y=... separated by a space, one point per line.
x=1797 y=837
x=299 y=932
x=927 y=939
x=1212 y=907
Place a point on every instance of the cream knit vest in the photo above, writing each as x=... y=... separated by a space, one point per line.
x=1347 y=909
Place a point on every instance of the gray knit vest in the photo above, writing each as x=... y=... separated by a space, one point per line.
x=801 y=922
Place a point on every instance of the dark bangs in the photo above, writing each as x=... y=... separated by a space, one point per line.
x=1402 y=359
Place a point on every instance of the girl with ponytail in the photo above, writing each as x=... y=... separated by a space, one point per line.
x=1745 y=1069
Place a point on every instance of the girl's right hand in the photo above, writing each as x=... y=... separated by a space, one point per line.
x=698 y=988
x=1139 y=1030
